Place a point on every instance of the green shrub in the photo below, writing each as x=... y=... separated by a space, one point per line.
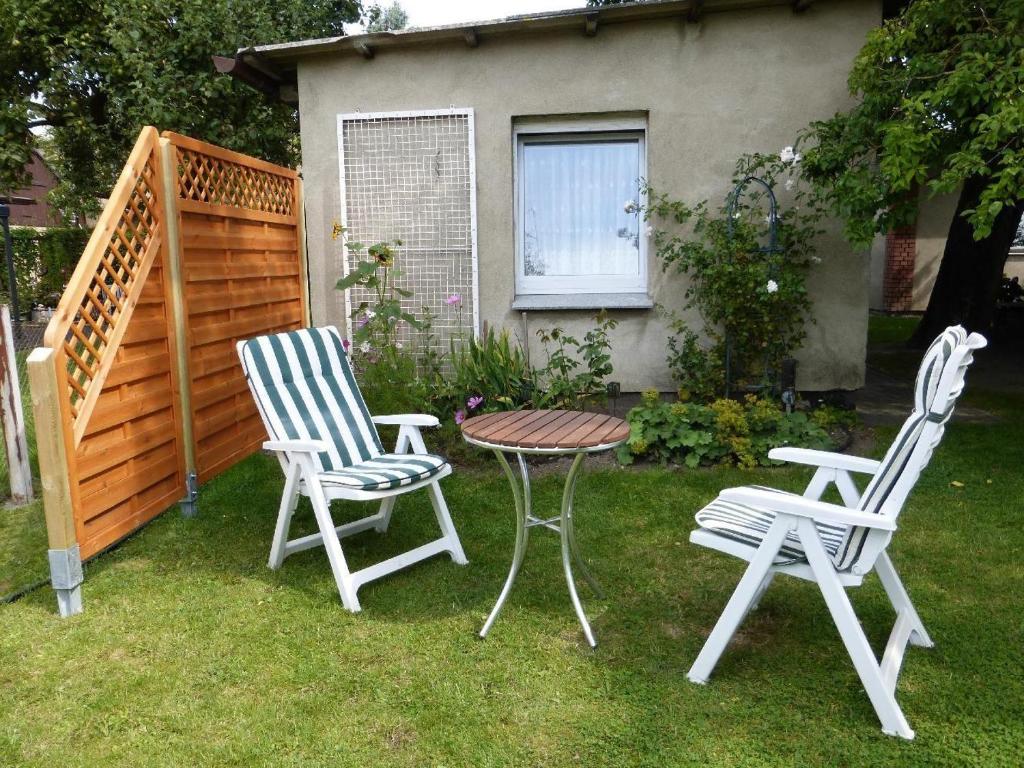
x=724 y=432
x=43 y=263
x=571 y=380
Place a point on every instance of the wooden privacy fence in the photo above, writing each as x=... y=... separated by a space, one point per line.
x=137 y=392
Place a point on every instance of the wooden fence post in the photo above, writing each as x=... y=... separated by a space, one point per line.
x=175 y=291
x=65 y=560
x=13 y=415
x=300 y=232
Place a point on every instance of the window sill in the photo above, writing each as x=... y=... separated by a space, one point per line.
x=552 y=301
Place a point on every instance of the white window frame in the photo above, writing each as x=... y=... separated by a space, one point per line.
x=537 y=131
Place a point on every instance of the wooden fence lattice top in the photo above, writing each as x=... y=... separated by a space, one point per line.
x=95 y=307
x=215 y=176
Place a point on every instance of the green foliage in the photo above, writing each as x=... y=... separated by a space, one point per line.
x=938 y=102
x=698 y=372
x=572 y=379
x=43 y=262
x=492 y=368
x=723 y=432
x=742 y=289
x=95 y=72
x=381 y=19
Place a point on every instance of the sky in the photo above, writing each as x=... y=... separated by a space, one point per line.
x=430 y=13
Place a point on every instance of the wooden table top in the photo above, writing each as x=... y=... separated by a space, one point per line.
x=546 y=430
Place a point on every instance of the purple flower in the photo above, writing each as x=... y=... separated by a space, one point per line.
x=474 y=402
x=455 y=298
x=346 y=344
x=460 y=416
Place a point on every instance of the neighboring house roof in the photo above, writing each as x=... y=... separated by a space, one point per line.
x=271 y=68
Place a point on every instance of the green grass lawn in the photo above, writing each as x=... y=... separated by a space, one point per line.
x=191 y=652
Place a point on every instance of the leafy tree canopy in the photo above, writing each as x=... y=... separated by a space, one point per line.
x=940 y=92
x=381 y=19
x=95 y=71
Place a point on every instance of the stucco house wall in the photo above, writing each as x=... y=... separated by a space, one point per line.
x=736 y=82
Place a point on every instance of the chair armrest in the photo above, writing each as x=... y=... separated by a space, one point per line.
x=824 y=459
x=296 y=446
x=407 y=420
x=820 y=511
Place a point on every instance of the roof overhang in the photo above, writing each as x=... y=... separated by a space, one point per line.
x=269 y=67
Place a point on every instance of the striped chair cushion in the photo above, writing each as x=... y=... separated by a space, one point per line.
x=749 y=524
x=304 y=389
x=897 y=458
x=388 y=471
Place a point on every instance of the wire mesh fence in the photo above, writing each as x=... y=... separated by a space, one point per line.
x=23 y=562
x=408 y=176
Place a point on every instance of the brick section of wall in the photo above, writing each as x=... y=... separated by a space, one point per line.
x=900 y=252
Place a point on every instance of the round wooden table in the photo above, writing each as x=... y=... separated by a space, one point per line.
x=549 y=433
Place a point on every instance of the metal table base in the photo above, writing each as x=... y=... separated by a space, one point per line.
x=563 y=524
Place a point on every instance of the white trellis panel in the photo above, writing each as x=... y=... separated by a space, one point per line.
x=411 y=176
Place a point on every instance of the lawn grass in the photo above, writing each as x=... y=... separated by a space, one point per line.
x=891 y=329
x=191 y=652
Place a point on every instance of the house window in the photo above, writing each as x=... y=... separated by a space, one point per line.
x=575 y=230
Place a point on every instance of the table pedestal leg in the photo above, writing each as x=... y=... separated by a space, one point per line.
x=570 y=549
x=522 y=501
x=566 y=530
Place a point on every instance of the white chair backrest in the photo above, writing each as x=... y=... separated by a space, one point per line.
x=304 y=390
x=940 y=382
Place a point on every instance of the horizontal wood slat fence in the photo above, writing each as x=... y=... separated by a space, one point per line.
x=137 y=391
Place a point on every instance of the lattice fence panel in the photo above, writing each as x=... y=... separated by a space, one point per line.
x=242 y=273
x=92 y=312
x=213 y=179
x=410 y=177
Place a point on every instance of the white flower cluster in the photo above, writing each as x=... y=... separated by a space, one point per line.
x=772 y=287
x=788 y=156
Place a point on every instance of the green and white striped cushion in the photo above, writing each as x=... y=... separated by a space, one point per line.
x=388 y=471
x=899 y=454
x=304 y=389
x=748 y=524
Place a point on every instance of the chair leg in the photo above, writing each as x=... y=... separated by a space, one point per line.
x=901 y=600
x=386 y=508
x=444 y=520
x=765 y=583
x=739 y=604
x=289 y=500
x=339 y=566
x=852 y=634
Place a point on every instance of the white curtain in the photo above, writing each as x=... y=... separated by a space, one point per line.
x=574 y=217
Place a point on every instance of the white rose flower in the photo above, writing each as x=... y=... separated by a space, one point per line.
x=399 y=345
x=650 y=231
x=365 y=347
x=630 y=206
x=816 y=259
x=772 y=287
x=370 y=314
x=787 y=155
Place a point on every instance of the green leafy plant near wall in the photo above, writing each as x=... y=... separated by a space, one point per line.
x=742 y=289
x=722 y=432
x=43 y=263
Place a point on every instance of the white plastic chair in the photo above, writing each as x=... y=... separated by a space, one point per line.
x=329 y=449
x=834 y=545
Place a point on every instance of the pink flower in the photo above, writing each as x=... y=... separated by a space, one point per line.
x=346 y=344
x=455 y=298
x=460 y=416
x=474 y=402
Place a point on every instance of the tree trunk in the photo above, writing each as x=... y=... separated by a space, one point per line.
x=968 y=280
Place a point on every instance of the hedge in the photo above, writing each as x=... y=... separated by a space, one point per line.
x=43 y=262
